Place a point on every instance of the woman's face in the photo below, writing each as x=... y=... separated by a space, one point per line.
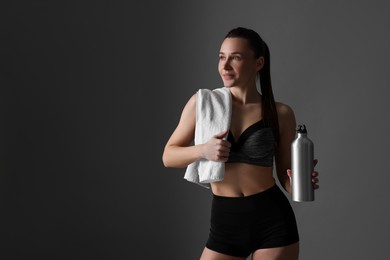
x=237 y=63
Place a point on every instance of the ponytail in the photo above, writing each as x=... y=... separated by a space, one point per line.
x=270 y=114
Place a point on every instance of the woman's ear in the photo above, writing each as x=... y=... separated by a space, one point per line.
x=259 y=63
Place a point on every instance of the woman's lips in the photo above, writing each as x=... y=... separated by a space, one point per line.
x=227 y=76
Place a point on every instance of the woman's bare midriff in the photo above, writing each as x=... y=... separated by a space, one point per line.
x=243 y=179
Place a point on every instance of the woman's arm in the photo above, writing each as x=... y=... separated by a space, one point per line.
x=179 y=151
x=287 y=125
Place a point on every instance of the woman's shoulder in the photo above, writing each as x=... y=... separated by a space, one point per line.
x=191 y=103
x=202 y=93
x=286 y=117
x=284 y=110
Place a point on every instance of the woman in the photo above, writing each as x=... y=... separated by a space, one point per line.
x=250 y=214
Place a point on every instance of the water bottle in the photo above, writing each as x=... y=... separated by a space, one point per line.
x=302 y=166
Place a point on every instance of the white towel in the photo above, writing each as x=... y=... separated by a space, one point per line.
x=213 y=115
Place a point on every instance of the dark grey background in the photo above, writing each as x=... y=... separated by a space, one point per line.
x=91 y=91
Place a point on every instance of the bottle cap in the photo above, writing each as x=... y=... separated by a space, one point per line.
x=301 y=129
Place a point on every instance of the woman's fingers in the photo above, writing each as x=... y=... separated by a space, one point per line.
x=314 y=180
x=315 y=161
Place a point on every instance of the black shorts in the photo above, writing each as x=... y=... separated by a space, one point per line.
x=241 y=225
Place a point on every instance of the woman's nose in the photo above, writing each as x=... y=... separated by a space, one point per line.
x=226 y=64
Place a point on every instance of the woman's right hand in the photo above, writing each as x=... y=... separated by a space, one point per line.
x=216 y=149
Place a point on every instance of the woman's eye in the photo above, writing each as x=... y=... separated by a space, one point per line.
x=221 y=57
x=237 y=58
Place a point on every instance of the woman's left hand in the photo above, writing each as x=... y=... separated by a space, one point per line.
x=314 y=175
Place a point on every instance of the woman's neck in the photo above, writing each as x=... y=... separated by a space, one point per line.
x=245 y=95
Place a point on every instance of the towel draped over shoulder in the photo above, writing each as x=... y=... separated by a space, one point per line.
x=213 y=115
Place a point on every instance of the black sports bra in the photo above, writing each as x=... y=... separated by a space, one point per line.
x=256 y=145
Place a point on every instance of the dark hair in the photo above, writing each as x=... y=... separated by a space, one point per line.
x=260 y=48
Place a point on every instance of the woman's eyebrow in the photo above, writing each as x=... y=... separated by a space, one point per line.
x=236 y=52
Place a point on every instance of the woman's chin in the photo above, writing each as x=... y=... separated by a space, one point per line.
x=228 y=84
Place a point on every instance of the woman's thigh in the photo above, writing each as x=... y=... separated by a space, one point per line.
x=289 y=252
x=212 y=255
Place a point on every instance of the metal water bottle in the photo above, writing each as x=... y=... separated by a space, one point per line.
x=302 y=166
